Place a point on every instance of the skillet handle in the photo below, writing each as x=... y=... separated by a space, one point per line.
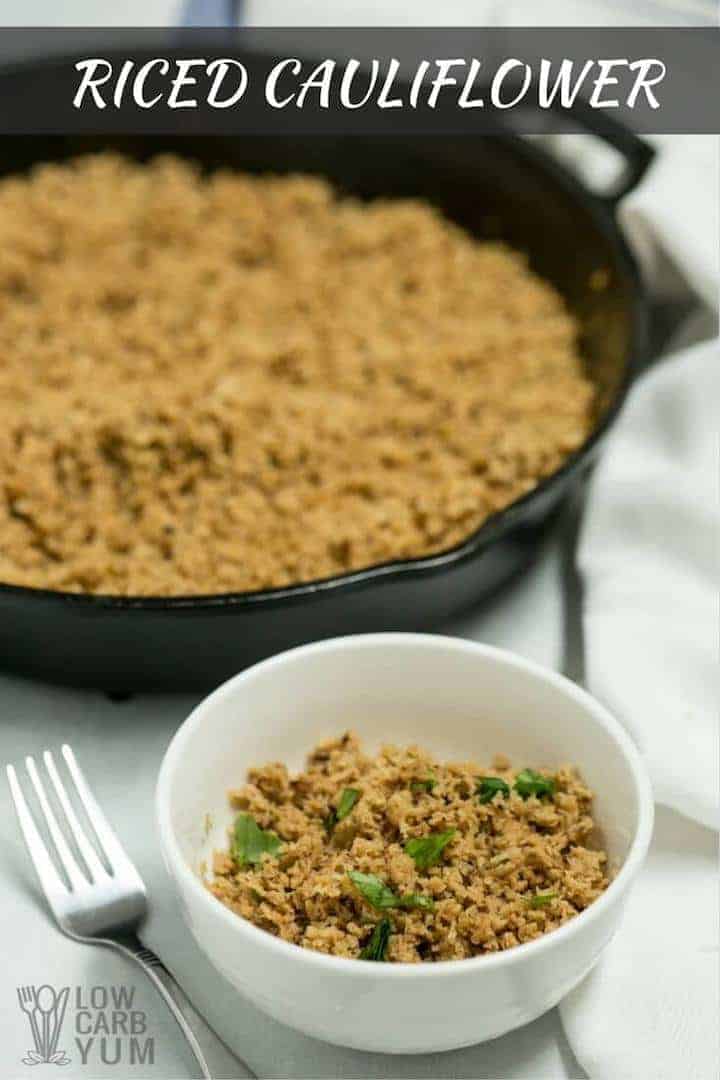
x=637 y=153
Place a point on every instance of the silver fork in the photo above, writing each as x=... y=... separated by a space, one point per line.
x=99 y=904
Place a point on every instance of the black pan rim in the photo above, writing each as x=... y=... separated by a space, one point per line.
x=602 y=210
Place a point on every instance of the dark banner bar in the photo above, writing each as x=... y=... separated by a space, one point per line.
x=357 y=81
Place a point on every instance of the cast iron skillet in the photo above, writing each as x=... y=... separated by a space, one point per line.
x=497 y=186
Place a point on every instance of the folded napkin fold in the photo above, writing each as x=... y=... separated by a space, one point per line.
x=647 y=558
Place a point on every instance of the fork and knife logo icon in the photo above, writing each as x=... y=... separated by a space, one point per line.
x=45 y=1010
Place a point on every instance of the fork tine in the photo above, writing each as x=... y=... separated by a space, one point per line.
x=75 y=876
x=95 y=867
x=109 y=842
x=50 y=880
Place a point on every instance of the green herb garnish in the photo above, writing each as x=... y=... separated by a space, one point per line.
x=348 y=799
x=375 y=891
x=427 y=784
x=416 y=900
x=381 y=897
x=488 y=787
x=541 y=899
x=376 y=948
x=250 y=842
x=427 y=850
x=528 y=782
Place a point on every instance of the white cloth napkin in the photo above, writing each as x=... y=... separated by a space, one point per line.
x=647 y=557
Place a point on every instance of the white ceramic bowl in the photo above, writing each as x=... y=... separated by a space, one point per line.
x=462 y=701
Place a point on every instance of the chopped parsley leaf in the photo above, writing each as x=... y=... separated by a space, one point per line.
x=427 y=784
x=416 y=900
x=347 y=800
x=541 y=900
x=381 y=897
x=250 y=842
x=528 y=782
x=489 y=786
x=376 y=948
x=427 y=850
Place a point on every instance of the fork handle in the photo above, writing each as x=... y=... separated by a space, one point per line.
x=200 y=1037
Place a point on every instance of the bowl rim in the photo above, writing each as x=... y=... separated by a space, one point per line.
x=183 y=877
